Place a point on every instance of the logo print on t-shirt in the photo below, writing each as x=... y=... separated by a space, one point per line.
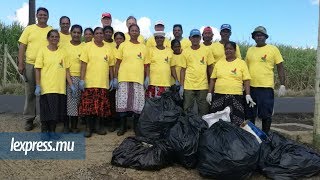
x=202 y=60
x=166 y=59
x=139 y=55
x=106 y=58
x=61 y=64
x=234 y=72
x=264 y=58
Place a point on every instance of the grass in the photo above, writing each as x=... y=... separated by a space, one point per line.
x=12 y=88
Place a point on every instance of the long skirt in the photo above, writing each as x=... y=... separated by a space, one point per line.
x=236 y=104
x=95 y=102
x=73 y=102
x=53 y=107
x=130 y=97
x=155 y=91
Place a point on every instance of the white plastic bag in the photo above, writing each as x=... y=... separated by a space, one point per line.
x=215 y=117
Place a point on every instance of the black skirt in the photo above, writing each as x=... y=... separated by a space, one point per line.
x=53 y=107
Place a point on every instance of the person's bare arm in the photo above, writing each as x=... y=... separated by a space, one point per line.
x=21 y=57
x=38 y=75
x=182 y=75
x=281 y=73
x=83 y=70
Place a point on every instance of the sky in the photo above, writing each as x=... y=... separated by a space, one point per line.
x=288 y=22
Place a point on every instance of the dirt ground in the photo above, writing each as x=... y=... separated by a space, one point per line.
x=98 y=156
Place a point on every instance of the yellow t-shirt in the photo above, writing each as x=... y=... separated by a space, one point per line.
x=110 y=44
x=35 y=38
x=73 y=56
x=133 y=58
x=176 y=59
x=219 y=53
x=151 y=42
x=140 y=38
x=53 y=65
x=230 y=76
x=64 y=39
x=196 y=62
x=261 y=61
x=160 y=66
x=185 y=43
x=98 y=60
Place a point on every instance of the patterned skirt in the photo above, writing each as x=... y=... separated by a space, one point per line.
x=95 y=102
x=73 y=102
x=236 y=104
x=130 y=97
x=155 y=91
x=112 y=99
x=53 y=107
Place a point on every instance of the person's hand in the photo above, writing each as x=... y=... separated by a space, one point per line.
x=21 y=68
x=282 y=91
x=37 y=91
x=181 y=92
x=250 y=101
x=177 y=83
x=146 y=82
x=73 y=91
x=115 y=83
x=82 y=85
x=111 y=85
x=209 y=98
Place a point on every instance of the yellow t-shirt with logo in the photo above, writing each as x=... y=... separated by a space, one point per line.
x=133 y=57
x=73 y=56
x=219 y=53
x=140 y=38
x=185 y=43
x=151 y=42
x=261 y=61
x=196 y=62
x=53 y=65
x=64 y=39
x=98 y=60
x=160 y=66
x=35 y=38
x=230 y=76
x=176 y=60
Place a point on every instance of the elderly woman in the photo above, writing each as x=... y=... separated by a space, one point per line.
x=129 y=73
x=227 y=80
x=96 y=67
x=160 y=68
x=50 y=70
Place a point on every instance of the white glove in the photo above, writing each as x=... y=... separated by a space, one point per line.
x=250 y=101
x=209 y=98
x=282 y=91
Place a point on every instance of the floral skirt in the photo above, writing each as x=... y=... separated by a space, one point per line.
x=130 y=97
x=95 y=102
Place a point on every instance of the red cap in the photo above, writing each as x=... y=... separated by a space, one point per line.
x=108 y=15
x=207 y=29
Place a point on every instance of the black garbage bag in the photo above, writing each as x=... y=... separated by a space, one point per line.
x=140 y=153
x=158 y=116
x=285 y=159
x=183 y=138
x=227 y=152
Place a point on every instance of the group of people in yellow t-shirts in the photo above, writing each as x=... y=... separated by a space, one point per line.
x=109 y=75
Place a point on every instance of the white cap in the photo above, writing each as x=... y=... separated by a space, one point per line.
x=159 y=33
x=159 y=23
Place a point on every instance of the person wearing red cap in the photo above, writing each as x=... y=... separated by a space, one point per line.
x=106 y=19
x=159 y=26
x=225 y=33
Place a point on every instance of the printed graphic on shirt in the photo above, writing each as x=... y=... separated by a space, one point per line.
x=234 y=72
x=202 y=61
x=61 y=64
x=140 y=55
x=264 y=58
x=166 y=59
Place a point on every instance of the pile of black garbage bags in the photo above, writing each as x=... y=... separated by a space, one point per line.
x=168 y=135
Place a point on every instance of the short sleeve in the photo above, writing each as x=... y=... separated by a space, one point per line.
x=245 y=73
x=39 y=59
x=214 y=72
x=148 y=56
x=183 y=62
x=24 y=36
x=238 y=53
x=277 y=56
x=84 y=54
x=210 y=58
x=67 y=63
x=172 y=62
x=119 y=53
x=112 y=58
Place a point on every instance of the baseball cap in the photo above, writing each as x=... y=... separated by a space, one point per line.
x=260 y=29
x=106 y=15
x=159 y=33
x=159 y=23
x=195 y=32
x=225 y=26
x=207 y=29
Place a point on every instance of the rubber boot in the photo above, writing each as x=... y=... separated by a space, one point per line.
x=266 y=124
x=100 y=126
x=52 y=130
x=135 y=124
x=89 y=127
x=45 y=131
x=123 y=126
x=66 y=128
x=113 y=125
x=74 y=124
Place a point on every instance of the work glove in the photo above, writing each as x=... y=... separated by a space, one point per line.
x=282 y=91
x=81 y=85
x=115 y=83
x=250 y=101
x=73 y=91
x=111 y=86
x=181 y=92
x=37 y=91
x=209 y=98
x=177 y=83
x=146 y=82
